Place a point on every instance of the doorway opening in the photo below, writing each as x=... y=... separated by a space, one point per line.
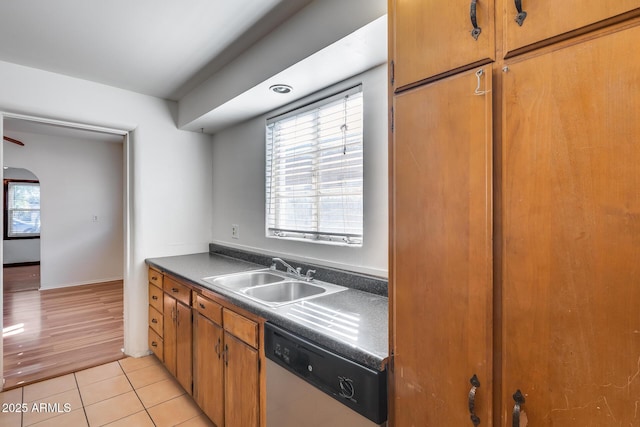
x=82 y=173
x=21 y=230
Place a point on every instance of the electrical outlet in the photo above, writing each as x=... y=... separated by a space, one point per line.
x=235 y=231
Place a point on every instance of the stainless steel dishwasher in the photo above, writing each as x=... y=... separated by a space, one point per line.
x=308 y=385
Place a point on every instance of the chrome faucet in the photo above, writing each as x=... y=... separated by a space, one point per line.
x=295 y=271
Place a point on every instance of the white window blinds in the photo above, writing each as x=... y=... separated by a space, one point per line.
x=314 y=171
x=23 y=209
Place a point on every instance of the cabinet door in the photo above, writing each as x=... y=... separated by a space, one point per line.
x=184 y=351
x=433 y=37
x=208 y=369
x=550 y=18
x=571 y=243
x=441 y=254
x=242 y=398
x=170 y=333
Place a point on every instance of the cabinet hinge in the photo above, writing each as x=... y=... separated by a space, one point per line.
x=393 y=73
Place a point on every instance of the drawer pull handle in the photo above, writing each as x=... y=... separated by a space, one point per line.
x=154 y=320
x=475 y=383
x=154 y=297
x=154 y=278
x=175 y=290
x=202 y=306
x=519 y=399
x=475 y=33
x=154 y=344
x=522 y=15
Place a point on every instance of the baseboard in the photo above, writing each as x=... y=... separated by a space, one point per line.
x=21 y=264
x=91 y=282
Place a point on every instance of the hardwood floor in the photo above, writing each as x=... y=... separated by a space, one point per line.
x=21 y=278
x=54 y=332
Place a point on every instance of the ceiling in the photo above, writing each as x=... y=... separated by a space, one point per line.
x=216 y=58
x=156 y=47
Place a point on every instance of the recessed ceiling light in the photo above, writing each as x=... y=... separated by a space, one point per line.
x=281 y=89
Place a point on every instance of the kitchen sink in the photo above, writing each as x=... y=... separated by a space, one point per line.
x=284 y=291
x=273 y=288
x=246 y=279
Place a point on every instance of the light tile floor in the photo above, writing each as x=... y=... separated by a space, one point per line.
x=130 y=393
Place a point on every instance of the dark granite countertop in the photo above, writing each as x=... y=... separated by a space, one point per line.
x=362 y=336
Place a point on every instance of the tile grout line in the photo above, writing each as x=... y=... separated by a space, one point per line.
x=136 y=392
x=75 y=378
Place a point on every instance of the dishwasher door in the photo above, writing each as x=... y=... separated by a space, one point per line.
x=308 y=385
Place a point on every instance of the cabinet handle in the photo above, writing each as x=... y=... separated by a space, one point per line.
x=475 y=33
x=154 y=278
x=225 y=355
x=154 y=320
x=154 y=344
x=201 y=306
x=175 y=290
x=154 y=297
x=519 y=399
x=522 y=15
x=475 y=383
x=217 y=348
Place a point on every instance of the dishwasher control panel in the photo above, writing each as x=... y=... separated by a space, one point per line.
x=360 y=388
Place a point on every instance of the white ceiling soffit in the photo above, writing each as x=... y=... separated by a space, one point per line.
x=352 y=55
x=326 y=42
x=17 y=128
x=161 y=48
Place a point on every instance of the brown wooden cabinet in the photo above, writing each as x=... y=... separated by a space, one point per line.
x=156 y=317
x=546 y=19
x=208 y=385
x=435 y=37
x=227 y=365
x=442 y=251
x=525 y=277
x=178 y=355
x=571 y=239
x=242 y=365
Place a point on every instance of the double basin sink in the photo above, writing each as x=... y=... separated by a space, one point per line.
x=273 y=288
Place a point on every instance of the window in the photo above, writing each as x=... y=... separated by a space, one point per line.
x=22 y=209
x=314 y=172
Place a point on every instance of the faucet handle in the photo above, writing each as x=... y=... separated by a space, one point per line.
x=309 y=274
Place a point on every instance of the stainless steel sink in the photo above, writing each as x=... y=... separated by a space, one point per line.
x=246 y=279
x=273 y=288
x=284 y=291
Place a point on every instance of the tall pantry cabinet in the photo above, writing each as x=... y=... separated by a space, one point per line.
x=515 y=213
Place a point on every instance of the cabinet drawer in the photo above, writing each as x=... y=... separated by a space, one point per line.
x=209 y=309
x=156 y=320
x=156 y=344
x=240 y=327
x=155 y=277
x=155 y=297
x=177 y=290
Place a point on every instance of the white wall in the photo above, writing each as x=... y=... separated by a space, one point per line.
x=20 y=250
x=170 y=170
x=239 y=186
x=79 y=179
